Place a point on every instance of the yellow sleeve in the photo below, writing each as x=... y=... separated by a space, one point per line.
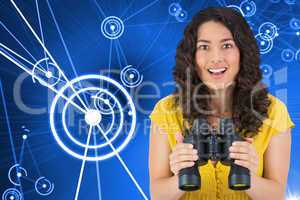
x=279 y=119
x=163 y=115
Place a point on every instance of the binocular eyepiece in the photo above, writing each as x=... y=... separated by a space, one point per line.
x=213 y=145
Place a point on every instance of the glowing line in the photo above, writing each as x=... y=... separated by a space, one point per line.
x=122 y=52
x=16 y=54
x=41 y=28
x=99 y=8
x=83 y=163
x=152 y=43
x=50 y=56
x=109 y=59
x=158 y=60
x=22 y=152
x=141 y=10
x=118 y=55
x=15 y=38
x=41 y=80
x=123 y=163
x=34 y=161
x=129 y=6
x=64 y=44
x=97 y=170
x=9 y=130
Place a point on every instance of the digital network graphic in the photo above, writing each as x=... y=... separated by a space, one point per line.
x=94 y=117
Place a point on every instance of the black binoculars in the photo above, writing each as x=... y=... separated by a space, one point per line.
x=213 y=144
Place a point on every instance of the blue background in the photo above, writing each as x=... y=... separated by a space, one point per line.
x=149 y=41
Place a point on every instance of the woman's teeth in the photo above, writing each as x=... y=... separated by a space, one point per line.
x=217 y=70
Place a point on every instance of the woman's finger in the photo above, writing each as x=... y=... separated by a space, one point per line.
x=239 y=156
x=184 y=158
x=239 y=149
x=178 y=166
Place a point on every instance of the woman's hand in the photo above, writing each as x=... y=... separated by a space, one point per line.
x=245 y=154
x=183 y=155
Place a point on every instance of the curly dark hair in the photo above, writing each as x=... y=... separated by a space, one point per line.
x=249 y=93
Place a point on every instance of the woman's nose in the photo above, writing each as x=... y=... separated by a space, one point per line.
x=216 y=57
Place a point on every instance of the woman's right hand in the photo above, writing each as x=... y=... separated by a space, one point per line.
x=183 y=155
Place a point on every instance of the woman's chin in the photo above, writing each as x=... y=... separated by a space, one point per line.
x=219 y=86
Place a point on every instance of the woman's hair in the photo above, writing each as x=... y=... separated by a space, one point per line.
x=250 y=96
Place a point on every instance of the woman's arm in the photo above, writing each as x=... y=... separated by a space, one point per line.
x=163 y=184
x=276 y=167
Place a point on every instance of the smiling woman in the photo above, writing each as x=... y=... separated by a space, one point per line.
x=218 y=76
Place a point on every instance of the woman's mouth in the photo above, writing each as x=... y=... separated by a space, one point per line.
x=217 y=72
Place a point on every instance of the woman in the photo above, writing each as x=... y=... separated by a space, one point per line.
x=217 y=75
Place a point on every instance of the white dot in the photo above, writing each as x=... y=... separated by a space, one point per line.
x=44 y=185
x=262 y=43
x=49 y=74
x=268 y=31
x=19 y=174
x=24 y=137
x=106 y=101
x=11 y=197
x=112 y=27
x=131 y=76
x=248 y=8
x=298 y=33
x=93 y=117
x=129 y=113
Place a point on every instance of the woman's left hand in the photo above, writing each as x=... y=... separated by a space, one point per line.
x=245 y=154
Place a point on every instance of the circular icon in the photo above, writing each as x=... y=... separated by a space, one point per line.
x=104 y=102
x=15 y=173
x=248 y=8
x=268 y=30
x=46 y=72
x=112 y=27
x=130 y=76
x=182 y=16
x=287 y=55
x=295 y=23
x=93 y=133
x=264 y=42
x=297 y=55
x=92 y=117
x=43 y=186
x=12 y=194
x=266 y=70
x=237 y=8
x=174 y=9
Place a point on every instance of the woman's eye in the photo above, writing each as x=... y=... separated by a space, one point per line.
x=226 y=46
x=203 y=47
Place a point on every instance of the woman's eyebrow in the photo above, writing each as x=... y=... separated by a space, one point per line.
x=201 y=40
x=223 y=40
x=226 y=39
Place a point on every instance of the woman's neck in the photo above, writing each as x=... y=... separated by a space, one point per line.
x=221 y=101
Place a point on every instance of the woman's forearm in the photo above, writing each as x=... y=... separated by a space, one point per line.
x=166 y=188
x=262 y=188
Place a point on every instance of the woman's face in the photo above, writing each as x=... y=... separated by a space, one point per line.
x=217 y=56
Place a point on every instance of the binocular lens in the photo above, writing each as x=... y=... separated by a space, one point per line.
x=189 y=182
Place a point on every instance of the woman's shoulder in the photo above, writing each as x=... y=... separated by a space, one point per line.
x=276 y=107
x=166 y=104
x=278 y=116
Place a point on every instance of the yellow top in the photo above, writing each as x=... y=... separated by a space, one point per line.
x=214 y=180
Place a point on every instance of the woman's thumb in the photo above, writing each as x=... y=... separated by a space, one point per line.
x=179 y=137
